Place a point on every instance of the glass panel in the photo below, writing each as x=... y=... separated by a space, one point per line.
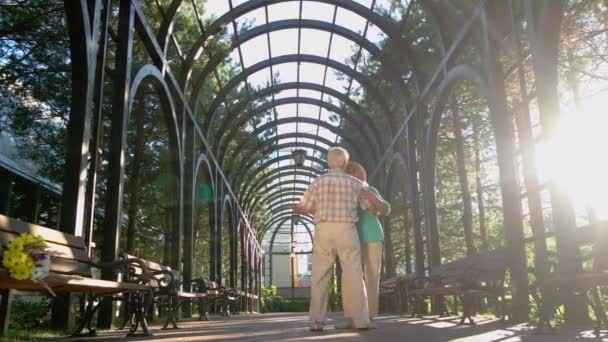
x=284 y=42
x=309 y=111
x=284 y=10
x=312 y=73
x=255 y=50
x=251 y=19
x=286 y=72
x=314 y=42
x=310 y=93
x=317 y=11
x=286 y=93
x=350 y=20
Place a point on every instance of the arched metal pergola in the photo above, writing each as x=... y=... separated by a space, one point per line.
x=410 y=96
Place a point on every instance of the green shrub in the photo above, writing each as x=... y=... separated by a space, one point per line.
x=29 y=313
x=271 y=301
x=296 y=305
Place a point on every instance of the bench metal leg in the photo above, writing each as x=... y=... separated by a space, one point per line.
x=143 y=302
x=596 y=303
x=468 y=302
x=5 y=310
x=173 y=305
x=91 y=307
x=203 y=312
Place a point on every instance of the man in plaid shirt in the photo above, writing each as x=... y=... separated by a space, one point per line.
x=334 y=199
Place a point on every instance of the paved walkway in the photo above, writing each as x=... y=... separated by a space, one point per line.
x=293 y=327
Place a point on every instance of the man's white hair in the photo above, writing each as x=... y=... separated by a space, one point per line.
x=337 y=158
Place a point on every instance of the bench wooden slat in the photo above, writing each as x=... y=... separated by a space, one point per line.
x=11 y=225
x=65 y=252
x=72 y=267
x=72 y=283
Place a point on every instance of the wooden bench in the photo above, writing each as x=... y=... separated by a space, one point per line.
x=72 y=271
x=167 y=290
x=477 y=276
x=217 y=295
x=396 y=291
x=587 y=282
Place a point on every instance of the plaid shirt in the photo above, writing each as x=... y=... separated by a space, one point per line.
x=334 y=197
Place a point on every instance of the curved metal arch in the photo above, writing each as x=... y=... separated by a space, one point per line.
x=203 y=159
x=271 y=174
x=274 y=171
x=280 y=208
x=166 y=27
x=277 y=218
x=252 y=161
x=253 y=191
x=242 y=106
x=288 y=198
x=279 y=122
x=251 y=176
x=459 y=72
x=305 y=221
x=396 y=162
x=367 y=83
x=278 y=225
x=277 y=194
x=152 y=72
x=389 y=28
x=349 y=117
x=271 y=189
x=274 y=234
x=245 y=36
x=244 y=144
x=292 y=191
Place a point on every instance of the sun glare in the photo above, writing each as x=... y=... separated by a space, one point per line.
x=577 y=159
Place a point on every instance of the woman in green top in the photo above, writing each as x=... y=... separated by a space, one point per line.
x=370 y=236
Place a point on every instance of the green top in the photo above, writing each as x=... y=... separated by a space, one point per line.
x=370 y=229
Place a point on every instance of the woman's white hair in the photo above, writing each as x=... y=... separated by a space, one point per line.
x=337 y=158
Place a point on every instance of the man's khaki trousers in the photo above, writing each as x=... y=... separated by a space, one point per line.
x=338 y=239
x=372 y=262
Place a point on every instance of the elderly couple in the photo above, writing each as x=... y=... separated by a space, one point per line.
x=345 y=210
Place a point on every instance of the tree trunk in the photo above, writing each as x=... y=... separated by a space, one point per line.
x=135 y=175
x=483 y=231
x=408 y=247
x=544 y=20
x=389 y=263
x=467 y=211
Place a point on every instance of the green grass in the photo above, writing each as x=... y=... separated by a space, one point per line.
x=29 y=335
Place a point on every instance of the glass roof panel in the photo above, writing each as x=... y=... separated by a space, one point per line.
x=375 y=35
x=311 y=72
x=317 y=11
x=310 y=93
x=215 y=9
x=286 y=93
x=286 y=111
x=309 y=111
x=342 y=49
x=286 y=72
x=307 y=128
x=284 y=42
x=366 y=3
x=336 y=80
x=251 y=19
x=252 y=53
x=350 y=20
x=284 y=10
x=314 y=42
